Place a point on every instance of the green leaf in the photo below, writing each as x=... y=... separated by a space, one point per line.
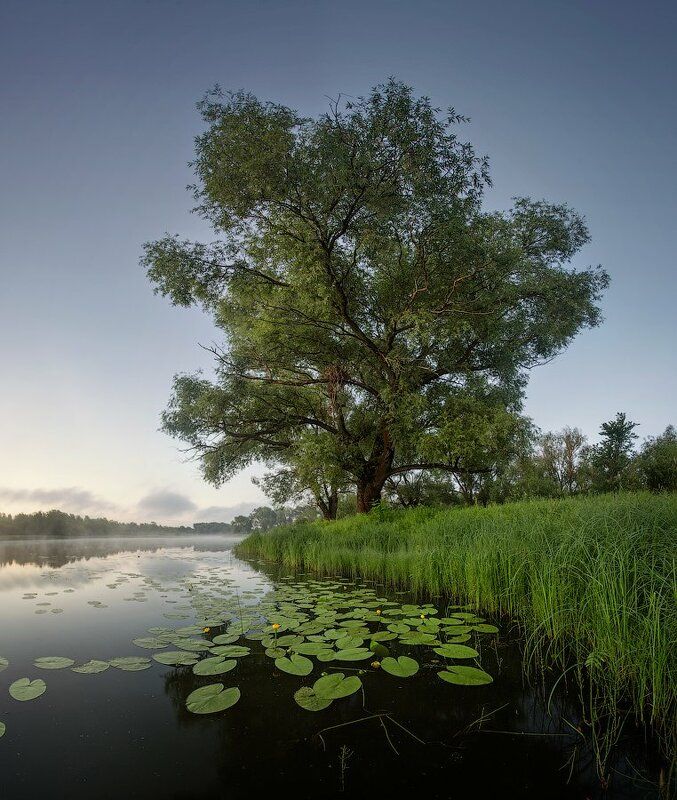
x=335 y=686
x=456 y=651
x=216 y=665
x=26 y=689
x=225 y=638
x=212 y=698
x=465 y=676
x=130 y=663
x=295 y=665
x=91 y=667
x=232 y=651
x=53 y=662
x=352 y=654
x=150 y=643
x=3 y=728
x=402 y=667
x=175 y=658
x=308 y=700
x=485 y=628
x=4 y=663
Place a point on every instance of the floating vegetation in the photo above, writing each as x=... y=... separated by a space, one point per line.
x=26 y=689
x=3 y=728
x=4 y=663
x=212 y=698
x=465 y=676
x=402 y=667
x=91 y=667
x=53 y=662
x=130 y=663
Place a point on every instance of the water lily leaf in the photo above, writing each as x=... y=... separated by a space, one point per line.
x=232 y=650
x=4 y=663
x=91 y=667
x=456 y=651
x=465 y=676
x=326 y=655
x=150 y=643
x=379 y=649
x=175 y=658
x=402 y=667
x=310 y=648
x=416 y=638
x=352 y=654
x=225 y=638
x=335 y=686
x=349 y=642
x=308 y=700
x=215 y=665
x=288 y=640
x=26 y=689
x=275 y=652
x=3 y=728
x=212 y=698
x=130 y=663
x=398 y=627
x=383 y=636
x=295 y=665
x=53 y=662
x=485 y=628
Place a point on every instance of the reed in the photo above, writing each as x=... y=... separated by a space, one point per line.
x=592 y=580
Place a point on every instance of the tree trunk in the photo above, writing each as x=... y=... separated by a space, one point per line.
x=329 y=506
x=368 y=495
x=375 y=473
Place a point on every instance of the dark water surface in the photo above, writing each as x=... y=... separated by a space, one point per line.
x=129 y=735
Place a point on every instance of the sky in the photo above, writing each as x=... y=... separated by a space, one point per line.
x=572 y=101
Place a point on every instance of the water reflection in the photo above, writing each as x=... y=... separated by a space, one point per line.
x=129 y=734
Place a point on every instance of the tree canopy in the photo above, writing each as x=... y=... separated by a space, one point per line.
x=376 y=320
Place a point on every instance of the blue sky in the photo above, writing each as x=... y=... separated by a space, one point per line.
x=573 y=101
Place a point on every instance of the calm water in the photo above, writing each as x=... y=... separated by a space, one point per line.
x=128 y=734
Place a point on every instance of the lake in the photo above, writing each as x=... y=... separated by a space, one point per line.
x=126 y=732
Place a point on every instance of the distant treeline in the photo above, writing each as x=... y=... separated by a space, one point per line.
x=58 y=523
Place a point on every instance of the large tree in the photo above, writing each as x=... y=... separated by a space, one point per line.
x=368 y=303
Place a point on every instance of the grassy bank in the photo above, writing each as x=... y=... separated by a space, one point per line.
x=593 y=580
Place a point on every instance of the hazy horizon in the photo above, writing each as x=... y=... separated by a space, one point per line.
x=571 y=101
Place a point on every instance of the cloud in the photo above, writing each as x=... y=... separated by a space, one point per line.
x=68 y=498
x=166 y=503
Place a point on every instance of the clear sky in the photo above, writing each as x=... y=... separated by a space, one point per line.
x=573 y=101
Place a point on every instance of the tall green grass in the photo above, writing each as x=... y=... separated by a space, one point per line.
x=592 y=580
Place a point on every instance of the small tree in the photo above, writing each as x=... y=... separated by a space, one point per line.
x=657 y=461
x=611 y=458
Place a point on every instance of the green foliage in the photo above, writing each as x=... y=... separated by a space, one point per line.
x=376 y=320
x=585 y=574
x=657 y=462
x=611 y=459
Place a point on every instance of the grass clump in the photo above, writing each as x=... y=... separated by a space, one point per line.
x=593 y=580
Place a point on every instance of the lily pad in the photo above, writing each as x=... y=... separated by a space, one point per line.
x=231 y=651
x=295 y=664
x=485 y=628
x=130 y=663
x=53 y=662
x=212 y=698
x=402 y=667
x=352 y=654
x=308 y=700
x=465 y=676
x=91 y=667
x=3 y=728
x=150 y=643
x=215 y=665
x=175 y=658
x=4 y=663
x=26 y=689
x=456 y=651
x=335 y=686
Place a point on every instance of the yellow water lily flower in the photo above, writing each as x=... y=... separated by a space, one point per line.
x=376 y=664
x=206 y=630
x=378 y=611
x=275 y=626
